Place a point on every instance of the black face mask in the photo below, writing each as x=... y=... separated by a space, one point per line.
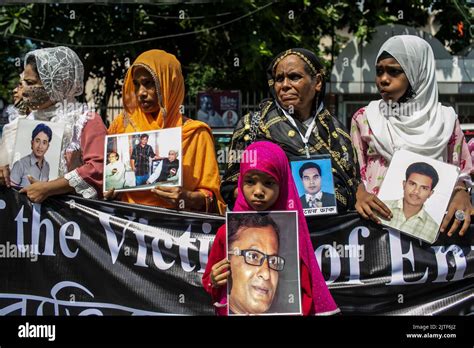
x=21 y=106
x=35 y=96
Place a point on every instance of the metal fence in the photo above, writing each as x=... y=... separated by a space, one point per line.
x=249 y=102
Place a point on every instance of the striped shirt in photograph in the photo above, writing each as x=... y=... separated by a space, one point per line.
x=421 y=225
x=141 y=155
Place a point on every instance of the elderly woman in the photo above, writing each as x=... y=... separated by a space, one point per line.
x=296 y=120
x=52 y=78
x=153 y=93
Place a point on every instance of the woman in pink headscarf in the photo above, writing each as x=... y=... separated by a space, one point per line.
x=266 y=183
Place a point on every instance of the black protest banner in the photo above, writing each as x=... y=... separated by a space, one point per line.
x=101 y=258
x=371 y=269
x=71 y=256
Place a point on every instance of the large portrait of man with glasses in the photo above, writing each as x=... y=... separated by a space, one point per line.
x=263 y=254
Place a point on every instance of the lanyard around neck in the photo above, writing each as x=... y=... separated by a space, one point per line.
x=311 y=126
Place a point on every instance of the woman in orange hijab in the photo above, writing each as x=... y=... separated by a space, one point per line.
x=153 y=93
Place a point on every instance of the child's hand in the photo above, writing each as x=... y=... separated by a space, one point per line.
x=220 y=272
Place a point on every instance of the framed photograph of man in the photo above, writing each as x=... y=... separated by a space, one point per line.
x=262 y=249
x=143 y=160
x=315 y=183
x=219 y=109
x=37 y=152
x=417 y=190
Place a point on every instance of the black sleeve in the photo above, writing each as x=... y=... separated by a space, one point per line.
x=151 y=153
x=134 y=154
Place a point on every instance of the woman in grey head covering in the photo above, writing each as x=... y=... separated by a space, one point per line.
x=52 y=78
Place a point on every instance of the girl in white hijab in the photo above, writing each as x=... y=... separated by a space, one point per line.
x=52 y=78
x=408 y=117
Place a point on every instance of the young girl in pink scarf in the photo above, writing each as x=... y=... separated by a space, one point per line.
x=266 y=183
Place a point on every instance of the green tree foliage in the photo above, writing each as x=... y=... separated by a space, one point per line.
x=224 y=45
x=457 y=24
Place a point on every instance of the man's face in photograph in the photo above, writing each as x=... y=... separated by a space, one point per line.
x=417 y=189
x=40 y=144
x=253 y=287
x=311 y=181
x=172 y=156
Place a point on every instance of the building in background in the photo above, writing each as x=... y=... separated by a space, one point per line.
x=352 y=83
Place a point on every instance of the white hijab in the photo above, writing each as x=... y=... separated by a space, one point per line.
x=422 y=124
